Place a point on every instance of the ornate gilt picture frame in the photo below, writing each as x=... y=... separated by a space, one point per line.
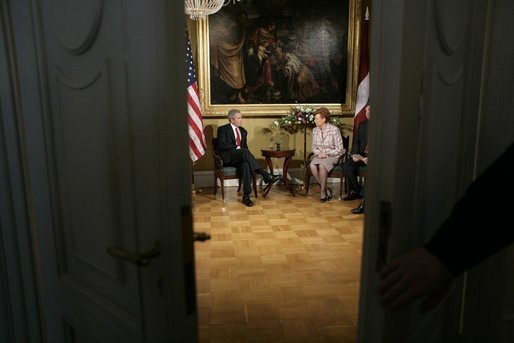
x=265 y=56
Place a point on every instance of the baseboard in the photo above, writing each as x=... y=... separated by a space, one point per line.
x=206 y=179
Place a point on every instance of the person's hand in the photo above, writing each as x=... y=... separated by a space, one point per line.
x=356 y=157
x=414 y=274
x=365 y=160
x=322 y=155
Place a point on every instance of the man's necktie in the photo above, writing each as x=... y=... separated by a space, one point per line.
x=238 y=137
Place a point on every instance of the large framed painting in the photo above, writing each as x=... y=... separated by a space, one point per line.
x=264 y=56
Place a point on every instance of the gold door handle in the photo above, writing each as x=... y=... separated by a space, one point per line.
x=142 y=259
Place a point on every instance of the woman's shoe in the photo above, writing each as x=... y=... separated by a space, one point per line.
x=324 y=199
x=329 y=194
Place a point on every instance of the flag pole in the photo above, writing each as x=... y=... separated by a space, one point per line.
x=194 y=190
x=194 y=115
x=363 y=77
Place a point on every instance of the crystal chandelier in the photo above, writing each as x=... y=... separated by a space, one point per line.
x=199 y=9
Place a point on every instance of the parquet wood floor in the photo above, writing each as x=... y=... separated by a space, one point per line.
x=285 y=270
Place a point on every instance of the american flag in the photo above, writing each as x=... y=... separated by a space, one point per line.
x=194 y=110
x=363 y=80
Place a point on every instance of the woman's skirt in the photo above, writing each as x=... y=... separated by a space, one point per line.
x=327 y=163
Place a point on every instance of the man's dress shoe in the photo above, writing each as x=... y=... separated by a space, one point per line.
x=352 y=196
x=247 y=201
x=359 y=209
x=271 y=178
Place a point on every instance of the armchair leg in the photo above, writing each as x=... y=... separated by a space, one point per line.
x=307 y=184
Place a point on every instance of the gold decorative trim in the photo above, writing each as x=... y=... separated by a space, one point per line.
x=272 y=110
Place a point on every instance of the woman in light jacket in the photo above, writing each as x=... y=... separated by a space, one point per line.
x=327 y=146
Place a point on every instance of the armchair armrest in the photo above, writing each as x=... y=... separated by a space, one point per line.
x=342 y=159
x=309 y=158
x=218 y=161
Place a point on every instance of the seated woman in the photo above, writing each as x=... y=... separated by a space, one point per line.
x=327 y=146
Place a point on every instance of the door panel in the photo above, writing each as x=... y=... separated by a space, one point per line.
x=92 y=211
x=89 y=152
x=426 y=84
x=101 y=140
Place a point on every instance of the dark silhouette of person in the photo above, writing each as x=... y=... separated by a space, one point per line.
x=475 y=230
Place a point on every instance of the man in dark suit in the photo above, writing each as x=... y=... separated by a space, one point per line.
x=358 y=158
x=232 y=146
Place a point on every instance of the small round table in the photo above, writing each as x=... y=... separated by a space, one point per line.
x=288 y=156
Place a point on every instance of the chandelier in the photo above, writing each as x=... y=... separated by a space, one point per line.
x=199 y=9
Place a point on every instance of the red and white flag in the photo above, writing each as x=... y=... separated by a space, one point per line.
x=363 y=79
x=194 y=110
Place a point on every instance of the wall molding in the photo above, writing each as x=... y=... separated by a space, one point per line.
x=205 y=178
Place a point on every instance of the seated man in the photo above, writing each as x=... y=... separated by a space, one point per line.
x=360 y=209
x=358 y=158
x=233 y=149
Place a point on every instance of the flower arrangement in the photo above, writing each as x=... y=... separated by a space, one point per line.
x=300 y=118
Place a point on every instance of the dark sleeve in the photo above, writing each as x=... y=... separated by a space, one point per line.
x=360 y=139
x=480 y=223
x=356 y=142
x=244 y=137
x=224 y=139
